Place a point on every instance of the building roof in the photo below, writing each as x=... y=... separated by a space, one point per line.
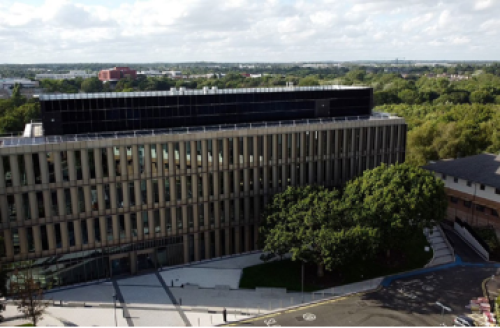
x=483 y=168
x=182 y=91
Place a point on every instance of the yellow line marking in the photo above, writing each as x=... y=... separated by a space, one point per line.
x=299 y=308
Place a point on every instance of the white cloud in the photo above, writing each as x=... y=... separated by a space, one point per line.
x=242 y=30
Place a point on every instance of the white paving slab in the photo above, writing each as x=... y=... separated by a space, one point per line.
x=100 y=293
x=207 y=319
x=203 y=277
x=152 y=318
x=89 y=316
x=146 y=280
x=145 y=296
x=237 y=262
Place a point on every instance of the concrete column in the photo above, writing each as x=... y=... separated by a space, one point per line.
x=217 y=213
x=136 y=161
x=151 y=224
x=30 y=173
x=14 y=169
x=98 y=164
x=208 y=244
x=246 y=153
x=47 y=204
x=171 y=159
x=392 y=151
x=61 y=203
x=368 y=145
x=204 y=155
x=37 y=238
x=228 y=241
x=217 y=242
x=163 y=221
x=123 y=162
x=110 y=156
x=266 y=150
x=329 y=156
x=182 y=157
x=102 y=228
x=275 y=176
x=90 y=231
x=246 y=180
x=71 y=165
x=216 y=184
x=64 y=236
x=196 y=247
x=185 y=223
x=51 y=236
x=149 y=193
x=85 y=165
x=215 y=153
x=225 y=154
x=303 y=154
x=360 y=150
x=9 y=245
x=4 y=210
x=274 y=159
x=384 y=144
x=116 y=228
x=206 y=189
x=140 y=226
x=18 y=199
x=185 y=240
x=23 y=241
x=256 y=151
x=147 y=160
x=78 y=234
x=56 y=155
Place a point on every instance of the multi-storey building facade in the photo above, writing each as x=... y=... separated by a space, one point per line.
x=80 y=207
x=473 y=188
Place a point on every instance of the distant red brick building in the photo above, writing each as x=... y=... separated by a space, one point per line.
x=117 y=73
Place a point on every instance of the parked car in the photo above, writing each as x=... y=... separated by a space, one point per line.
x=463 y=321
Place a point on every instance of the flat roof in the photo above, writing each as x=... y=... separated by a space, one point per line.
x=482 y=168
x=197 y=92
x=21 y=141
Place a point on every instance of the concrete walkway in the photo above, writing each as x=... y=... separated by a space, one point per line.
x=443 y=252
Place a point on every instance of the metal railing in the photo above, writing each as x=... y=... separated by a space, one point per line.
x=13 y=142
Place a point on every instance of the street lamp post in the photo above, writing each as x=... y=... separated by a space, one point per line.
x=443 y=308
x=114 y=302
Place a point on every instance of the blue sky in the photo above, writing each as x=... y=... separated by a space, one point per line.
x=41 y=31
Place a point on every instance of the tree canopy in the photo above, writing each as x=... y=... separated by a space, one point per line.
x=374 y=213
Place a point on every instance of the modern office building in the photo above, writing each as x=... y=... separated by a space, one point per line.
x=116 y=74
x=133 y=181
x=473 y=188
x=65 y=76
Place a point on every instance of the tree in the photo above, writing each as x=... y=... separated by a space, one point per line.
x=309 y=81
x=481 y=97
x=310 y=223
x=398 y=200
x=28 y=297
x=408 y=96
x=16 y=98
x=92 y=84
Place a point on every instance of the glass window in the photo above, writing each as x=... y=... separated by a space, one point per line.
x=78 y=165
x=156 y=195
x=145 y=222
x=91 y=163
x=479 y=208
x=199 y=161
x=67 y=201
x=210 y=152
x=30 y=240
x=167 y=190
x=109 y=228
x=45 y=240
x=443 y=176
x=15 y=240
x=41 y=205
x=22 y=170
x=97 y=231
x=189 y=186
x=250 y=150
x=71 y=233
x=178 y=215
x=121 y=225
x=58 y=235
x=81 y=200
x=165 y=158
x=212 y=213
x=107 y=200
x=50 y=165
x=85 y=233
x=482 y=187
x=177 y=156
x=168 y=219
x=178 y=190
x=221 y=151
x=455 y=180
x=54 y=206
x=200 y=186
x=188 y=154
x=454 y=199
x=157 y=225
x=467 y=204
x=201 y=215
x=116 y=161
x=469 y=184
x=240 y=150
x=190 y=216
x=26 y=206
x=36 y=168
x=133 y=224
x=7 y=171
x=494 y=212
x=230 y=151
x=154 y=160
x=104 y=163
x=131 y=193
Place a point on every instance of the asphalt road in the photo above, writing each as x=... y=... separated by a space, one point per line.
x=406 y=302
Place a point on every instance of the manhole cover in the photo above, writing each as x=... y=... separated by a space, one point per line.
x=309 y=317
x=427 y=288
x=270 y=322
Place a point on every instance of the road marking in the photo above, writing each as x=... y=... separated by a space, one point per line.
x=309 y=317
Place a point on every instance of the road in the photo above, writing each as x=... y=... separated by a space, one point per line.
x=406 y=302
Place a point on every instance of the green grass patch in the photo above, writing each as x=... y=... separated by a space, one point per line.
x=489 y=235
x=287 y=273
x=26 y=325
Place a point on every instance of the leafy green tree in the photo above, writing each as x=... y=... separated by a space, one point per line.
x=398 y=200
x=385 y=97
x=92 y=84
x=481 y=97
x=309 y=81
x=16 y=98
x=309 y=223
x=408 y=96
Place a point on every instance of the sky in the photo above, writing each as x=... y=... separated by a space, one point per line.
x=143 y=31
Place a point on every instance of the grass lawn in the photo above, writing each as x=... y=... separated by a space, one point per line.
x=287 y=273
x=26 y=325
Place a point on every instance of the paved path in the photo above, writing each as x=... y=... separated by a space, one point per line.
x=442 y=252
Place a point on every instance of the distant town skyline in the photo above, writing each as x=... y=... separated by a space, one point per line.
x=146 y=31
